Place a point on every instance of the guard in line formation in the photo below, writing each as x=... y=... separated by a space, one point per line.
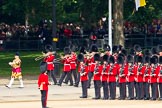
x=138 y=72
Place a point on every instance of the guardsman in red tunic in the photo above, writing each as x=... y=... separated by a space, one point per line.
x=49 y=58
x=112 y=72
x=104 y=76
x=153 y=76
x=159 y=79
x=73 y=64
x=91 y=63
x=66 y=68
x=97 y=76
x=130 y=76
x=43 y=84
x=83 y=70
x=139 y=78
x=146 y=77
x=122 y=72
x=107 y=50
x=82 y=51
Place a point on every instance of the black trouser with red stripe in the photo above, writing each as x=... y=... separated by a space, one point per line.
x=68 y=76
x=73 y=72
x=105 y=89
x=51 y=76
x=90 y=75
x=160 y=90
x=112 y=87
x=44 y=98
x=97 y=86
x=146 y=87
x=131 y=90
x=140 y=94
x=154 y=90
x=84 y=88
x=122 y=89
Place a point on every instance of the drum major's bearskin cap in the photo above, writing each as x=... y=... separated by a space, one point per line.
x=66 y=50
x=115 y=49
x=137 y=48
x=106 y=47
x=43 y=67
x=132 y=51
x=17 y=54
x=147 y=52
x=160 y=60
x=82 y=50
x=154 y=59
x=72 y=48
x=80 y=57
x=111 y=59
x=147 y=59
x=154 y=51
x=140 y=59
x=130 y=59
x=124 y=51
x=94 y=48
x=97 y=57
x=105 y=58
x=159 y=48
x=120 y=60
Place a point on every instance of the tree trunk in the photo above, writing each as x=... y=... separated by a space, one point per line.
x=118 y=35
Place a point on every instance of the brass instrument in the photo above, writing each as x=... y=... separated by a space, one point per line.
x=146 y=71
x=130 y=69
x=44 y=55
x=104 y=69
x=82 y=70
x=121 y=71
x=139 y=69
x=111 y=68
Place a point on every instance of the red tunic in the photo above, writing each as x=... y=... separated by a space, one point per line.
x=122 y=71
x=67 y=67
x=83 y=70
x=104 y=74
x=131 y=73
x=154 y=74
x=97 y=74
x=159 y=79
x=92 y=65
x=43 y=81
x=139 y=73
x=146 y=75
x=49 y=59
x=73 y=60
x=112 y=72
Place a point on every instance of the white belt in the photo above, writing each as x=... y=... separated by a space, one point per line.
x=72 y=62
x=66 y=64
x=49 y=62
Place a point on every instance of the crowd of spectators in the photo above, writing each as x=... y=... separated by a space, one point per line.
x=41 y=31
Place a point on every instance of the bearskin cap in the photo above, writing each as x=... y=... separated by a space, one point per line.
x=124 y=51
x=130 y=59
x=17 y=54
x=154 y=60
x=147 y=52
x=105 y=58
x=137 y=48
x=43 y=67
x=159 y=48
x=82 y=50
x=154 y=51
x=66 y=50
x=106 y=47
x=72 y=48
x=80 y=57
x=94 y=48
x=111 y=59
x=120 y=60
x=160 y=60
x=147 y=59
x=48 y=48
x=132 y=51
x=115 y=49
x=140 y=59
x=97 y=57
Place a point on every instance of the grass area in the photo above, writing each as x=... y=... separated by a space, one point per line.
x=29 y=65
